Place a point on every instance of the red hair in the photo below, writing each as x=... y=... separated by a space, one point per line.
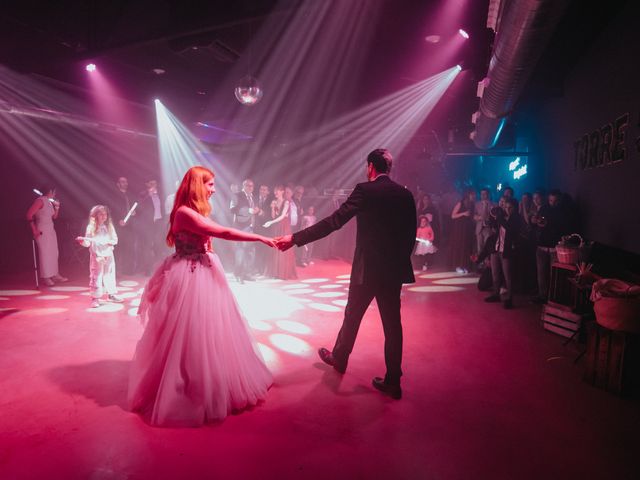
x=192 y=192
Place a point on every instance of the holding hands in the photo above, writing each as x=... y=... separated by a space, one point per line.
x=270 y=242
x=284 y=243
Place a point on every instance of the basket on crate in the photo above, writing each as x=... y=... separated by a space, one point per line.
x=572 y=249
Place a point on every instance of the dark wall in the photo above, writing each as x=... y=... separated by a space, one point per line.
x=589 y=138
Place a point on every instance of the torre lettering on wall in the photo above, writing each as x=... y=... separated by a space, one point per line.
x=605 y=146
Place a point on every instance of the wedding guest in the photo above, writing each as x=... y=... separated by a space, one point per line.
x=151 y=224
x=263 y=214
x=462 y=237
x=100 y=237
x=121 y=203
x=43 y=211
x=553 y=222
x=424 y=243
x=244 y=216
x=481 y=215
x=308 y=219
x=281 y=265
x=508 y=232
x=425 y=206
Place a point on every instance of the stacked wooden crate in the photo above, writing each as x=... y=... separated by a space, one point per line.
x=613 y=360
x=568 y=307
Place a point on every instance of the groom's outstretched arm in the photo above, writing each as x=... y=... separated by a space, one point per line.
x=333 y=222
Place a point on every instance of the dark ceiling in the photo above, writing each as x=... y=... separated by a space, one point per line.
x=197 y=43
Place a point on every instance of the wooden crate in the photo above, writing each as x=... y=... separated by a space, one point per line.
x=613 y=360
x=561 y=321
x=564 y=292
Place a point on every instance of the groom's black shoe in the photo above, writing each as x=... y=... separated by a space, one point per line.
x=394 y=391
x=327 y=357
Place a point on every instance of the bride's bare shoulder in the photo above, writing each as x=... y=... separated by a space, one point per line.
x=183 y=210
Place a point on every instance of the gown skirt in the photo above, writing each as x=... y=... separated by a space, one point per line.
x=196 y=361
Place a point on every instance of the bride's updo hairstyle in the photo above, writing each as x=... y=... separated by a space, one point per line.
x=192 y=192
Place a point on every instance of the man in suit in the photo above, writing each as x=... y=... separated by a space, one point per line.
x=386 y=232
x=120 y=204
x=262 y=215
x=151 y=225
x=244 y=210
x=507 y=223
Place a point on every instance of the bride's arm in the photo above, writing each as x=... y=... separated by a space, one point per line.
x=192 y=221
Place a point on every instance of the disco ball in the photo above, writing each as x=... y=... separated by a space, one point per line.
x=248 y=91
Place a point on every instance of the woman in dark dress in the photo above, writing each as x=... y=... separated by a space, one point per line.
x=280 y=264
x=462 y=233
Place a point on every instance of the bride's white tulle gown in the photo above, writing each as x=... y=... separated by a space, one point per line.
x=196 y=361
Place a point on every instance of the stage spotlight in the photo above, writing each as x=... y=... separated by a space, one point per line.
x=459 y=67
x=464 y=34
x=91 y=67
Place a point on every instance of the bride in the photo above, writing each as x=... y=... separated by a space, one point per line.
x=196 y=361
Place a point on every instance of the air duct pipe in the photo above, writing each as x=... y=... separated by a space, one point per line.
x=524 y=30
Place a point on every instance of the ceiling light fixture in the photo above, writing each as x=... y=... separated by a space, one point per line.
x=248 y=90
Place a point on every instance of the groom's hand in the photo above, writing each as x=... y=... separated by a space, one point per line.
x=284 y=243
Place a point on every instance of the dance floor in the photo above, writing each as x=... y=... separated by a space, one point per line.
x=487 y=392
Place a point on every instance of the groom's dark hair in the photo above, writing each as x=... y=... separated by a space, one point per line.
x=381 y=159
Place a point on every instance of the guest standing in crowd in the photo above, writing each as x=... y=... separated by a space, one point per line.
x=308 y=219
x=120 y=205
x=508 y=192
x=553 y=222
x=262 y=215
x=244 y=211
x=281 y=265
x=502 y=259
x=481 y=215
x=462 y=237
x=151 y=226
x=297 y=209
x=43 y=211
x=526 y=259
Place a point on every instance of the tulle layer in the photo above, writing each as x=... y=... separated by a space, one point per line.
x=196 y=361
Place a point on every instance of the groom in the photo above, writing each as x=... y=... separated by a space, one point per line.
x=386 y=218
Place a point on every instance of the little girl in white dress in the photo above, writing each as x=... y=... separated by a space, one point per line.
x=100 y=237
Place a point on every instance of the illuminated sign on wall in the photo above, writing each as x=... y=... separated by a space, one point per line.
x=518 y=169
x=519 y=173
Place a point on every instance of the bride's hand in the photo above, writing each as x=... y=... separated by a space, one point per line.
x=271 y=242
x=267 y=224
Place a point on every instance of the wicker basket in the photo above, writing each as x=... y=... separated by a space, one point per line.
x=573 y=254
x=569 y=255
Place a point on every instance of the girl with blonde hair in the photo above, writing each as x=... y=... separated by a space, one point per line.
x=100 y=237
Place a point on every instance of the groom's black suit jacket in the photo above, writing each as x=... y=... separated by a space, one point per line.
x=386 y=216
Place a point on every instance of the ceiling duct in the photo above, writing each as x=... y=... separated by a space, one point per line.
x=525 y=28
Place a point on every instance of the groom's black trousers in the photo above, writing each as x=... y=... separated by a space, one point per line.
x=387 y=295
